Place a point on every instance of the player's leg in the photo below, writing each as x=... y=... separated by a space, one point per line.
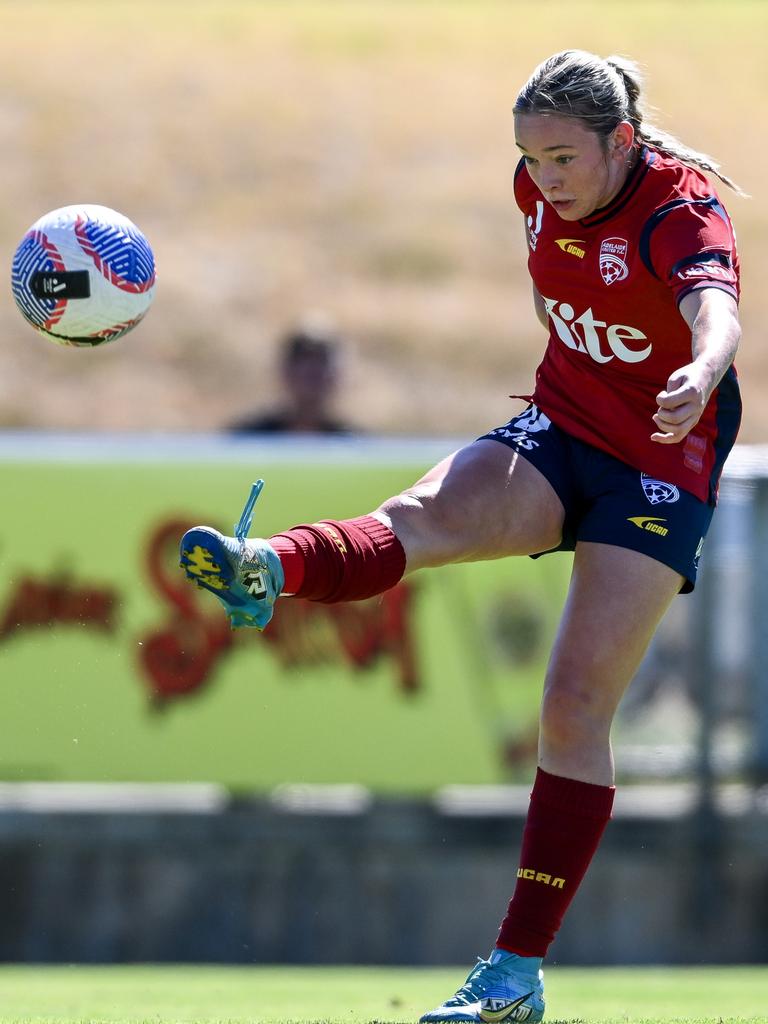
x=616 y=599
x=485 y=501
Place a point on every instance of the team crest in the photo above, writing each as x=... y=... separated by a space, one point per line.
x=657 y=491
x=613 y=260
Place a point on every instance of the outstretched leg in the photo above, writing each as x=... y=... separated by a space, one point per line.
x=483 y=502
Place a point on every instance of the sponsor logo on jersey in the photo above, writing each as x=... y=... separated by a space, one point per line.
x=613 y=259
x=709 y=270
x=501 y=1008
x=651 y=524
x=658 y=491
x=573 y=246
x=534 y=225
x=694 y=451
x=585 y=333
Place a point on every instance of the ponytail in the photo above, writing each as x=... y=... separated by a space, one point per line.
x=629 y=73
x=601 y=93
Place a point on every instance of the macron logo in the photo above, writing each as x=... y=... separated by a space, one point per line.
x=596 y=338
x=573 y=246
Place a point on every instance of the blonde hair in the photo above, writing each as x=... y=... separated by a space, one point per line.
x=601 y=93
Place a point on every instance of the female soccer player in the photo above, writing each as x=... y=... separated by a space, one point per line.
x=635 y=407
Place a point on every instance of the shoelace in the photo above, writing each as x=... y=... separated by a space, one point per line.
x=243 y=525
x=477 y=983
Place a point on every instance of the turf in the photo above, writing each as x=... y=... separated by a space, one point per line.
x=353 y=995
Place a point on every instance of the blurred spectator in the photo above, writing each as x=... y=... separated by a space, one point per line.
x=309 y=374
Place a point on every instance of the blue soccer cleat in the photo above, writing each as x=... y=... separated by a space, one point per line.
x=506 y=987
x=245 y=575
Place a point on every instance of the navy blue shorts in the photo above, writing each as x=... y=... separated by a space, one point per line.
x=608 y=502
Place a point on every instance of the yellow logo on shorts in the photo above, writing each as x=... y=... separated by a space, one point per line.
x=650 y=523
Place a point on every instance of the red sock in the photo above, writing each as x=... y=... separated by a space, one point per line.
x=292 y=560
x=566 y=820
x=340 y=561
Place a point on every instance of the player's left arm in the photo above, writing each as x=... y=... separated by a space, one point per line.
x=712 y=315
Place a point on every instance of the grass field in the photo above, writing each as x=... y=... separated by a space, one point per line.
x=353 y=995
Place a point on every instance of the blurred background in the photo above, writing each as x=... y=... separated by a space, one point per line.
x=340 y=173
x=352 y=157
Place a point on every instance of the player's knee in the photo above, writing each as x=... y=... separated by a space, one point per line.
x=572 y=716
x=432 y=528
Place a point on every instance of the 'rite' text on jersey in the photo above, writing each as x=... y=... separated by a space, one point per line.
x=565 y=321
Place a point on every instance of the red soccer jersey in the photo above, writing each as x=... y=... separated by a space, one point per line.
x=611 y=285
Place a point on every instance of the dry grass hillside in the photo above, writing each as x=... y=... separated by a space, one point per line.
x=350 y=156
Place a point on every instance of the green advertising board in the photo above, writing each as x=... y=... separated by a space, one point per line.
x=114 y=668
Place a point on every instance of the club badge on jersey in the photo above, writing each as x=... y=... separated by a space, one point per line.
x=613 y=260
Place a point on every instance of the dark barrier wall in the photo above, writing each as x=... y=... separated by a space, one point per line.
x=398 y=883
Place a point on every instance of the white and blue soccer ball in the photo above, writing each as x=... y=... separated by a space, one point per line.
x=83 y=275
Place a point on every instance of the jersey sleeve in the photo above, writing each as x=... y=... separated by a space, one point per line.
x=690 y=245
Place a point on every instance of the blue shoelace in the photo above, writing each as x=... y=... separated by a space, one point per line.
x=243 y=525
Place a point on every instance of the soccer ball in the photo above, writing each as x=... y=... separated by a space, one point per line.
x=83 y=275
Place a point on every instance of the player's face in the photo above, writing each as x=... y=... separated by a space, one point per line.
x=574 y=169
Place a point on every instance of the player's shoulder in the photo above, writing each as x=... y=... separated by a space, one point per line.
x=669 y=180
x=681 y=202
x=686 y=232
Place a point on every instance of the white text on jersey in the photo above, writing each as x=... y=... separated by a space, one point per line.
x=586 y=334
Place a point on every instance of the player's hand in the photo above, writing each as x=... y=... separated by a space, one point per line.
x=681 y=404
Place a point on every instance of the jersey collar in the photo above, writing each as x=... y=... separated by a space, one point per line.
x=625 y=193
